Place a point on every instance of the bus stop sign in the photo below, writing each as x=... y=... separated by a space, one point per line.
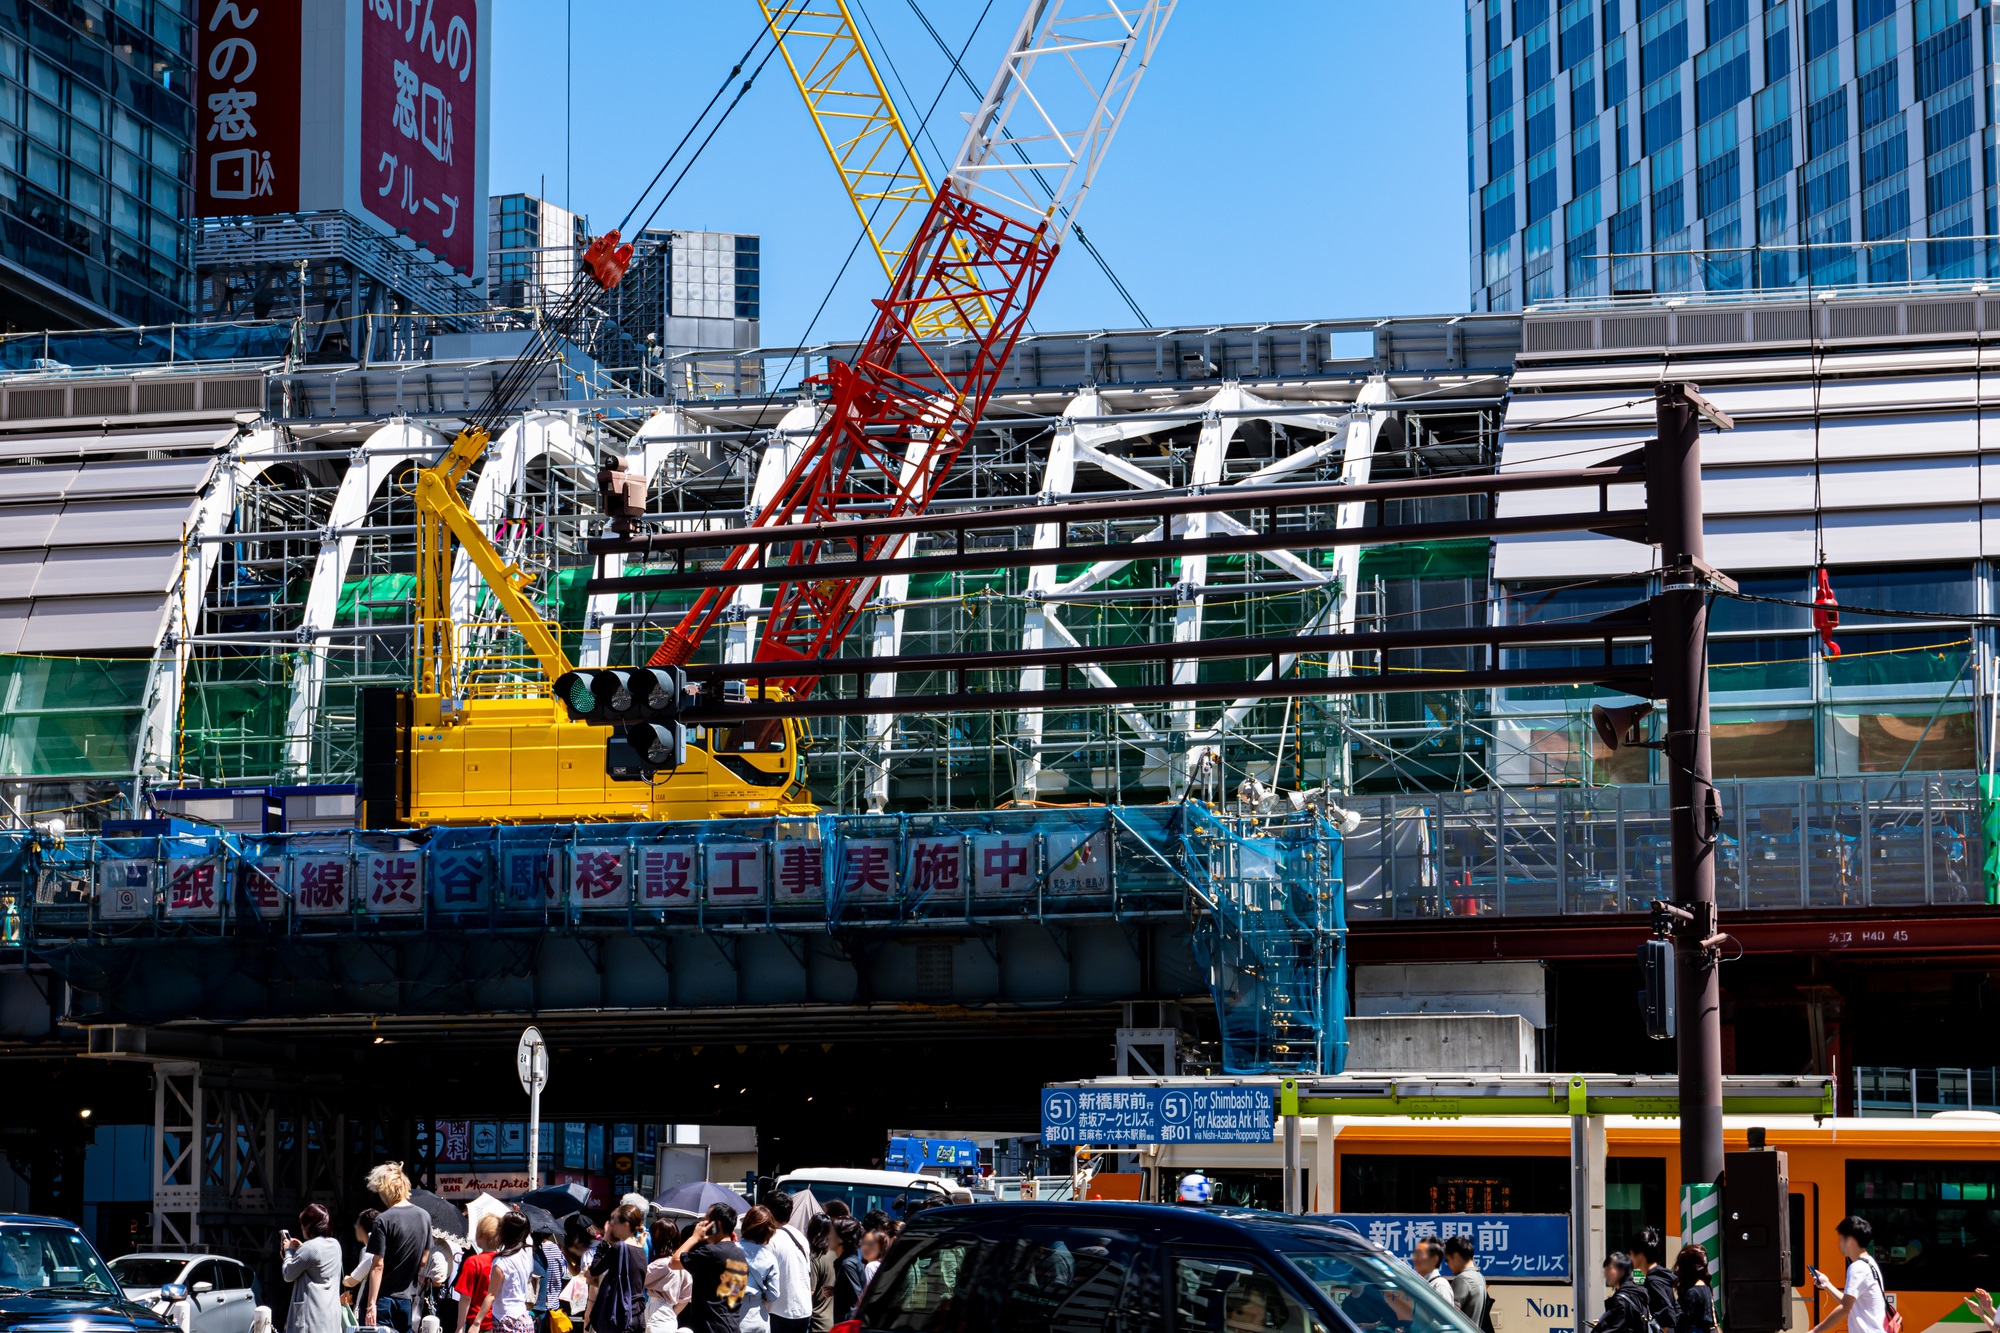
x=1115 y=1117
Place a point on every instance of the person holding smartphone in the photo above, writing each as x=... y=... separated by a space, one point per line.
x=716 y=1265
x=312 y=1266
x=1863 y=1304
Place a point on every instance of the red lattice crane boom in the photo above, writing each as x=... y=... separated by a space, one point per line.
x=890 y=435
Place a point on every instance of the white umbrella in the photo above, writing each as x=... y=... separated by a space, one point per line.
x=804 y=1207
x=483 y=1206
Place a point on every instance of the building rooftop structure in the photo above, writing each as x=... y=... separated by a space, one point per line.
x=1859 y=435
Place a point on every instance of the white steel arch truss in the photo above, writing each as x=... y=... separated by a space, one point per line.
x=1084 y=439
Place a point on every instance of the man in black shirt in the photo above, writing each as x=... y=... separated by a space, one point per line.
x=400 y=1240
x=714 y=1261
x=1661 y=1295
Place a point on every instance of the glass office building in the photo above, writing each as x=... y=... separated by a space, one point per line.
x=95 y=162
x=1634 y=147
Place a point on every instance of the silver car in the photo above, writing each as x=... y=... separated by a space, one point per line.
x=219 y=1297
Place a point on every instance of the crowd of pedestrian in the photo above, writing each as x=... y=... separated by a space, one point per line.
x=770 y=1269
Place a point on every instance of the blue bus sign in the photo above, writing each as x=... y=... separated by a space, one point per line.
x=1112 y=1117
x=1509 y=1245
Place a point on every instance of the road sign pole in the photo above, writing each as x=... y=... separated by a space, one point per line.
x=535 y=1133
x=531 y=1062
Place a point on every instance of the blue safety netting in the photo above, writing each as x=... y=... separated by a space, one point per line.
x=1269 y=927
x=1264 y=901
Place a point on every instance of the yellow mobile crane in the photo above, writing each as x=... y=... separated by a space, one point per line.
x=482 y=739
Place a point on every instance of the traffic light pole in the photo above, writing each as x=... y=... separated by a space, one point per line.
x=1680 y=639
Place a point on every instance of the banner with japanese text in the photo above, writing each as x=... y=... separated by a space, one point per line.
x=666 y=874
x=1003 y=865
x=419 y=122
x=393 y=882
x=937 y=867
x=734 y=873
x=458 y=879
x=801 y=873
x=1507 y=1245
x=321 y=884
x=194 y=887
x=246 y=100
x=599 y=876
x=867 y=870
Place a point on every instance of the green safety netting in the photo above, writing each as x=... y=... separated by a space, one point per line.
x=1989 y=823
x=1922 y=665
x=1427 y=560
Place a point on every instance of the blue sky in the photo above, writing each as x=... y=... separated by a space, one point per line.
x=1284 y=159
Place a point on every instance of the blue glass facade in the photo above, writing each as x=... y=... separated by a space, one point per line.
x=1717 y=145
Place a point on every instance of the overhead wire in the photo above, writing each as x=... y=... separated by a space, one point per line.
x=549 y=330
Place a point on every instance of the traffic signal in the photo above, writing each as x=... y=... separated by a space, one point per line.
x=644 y=703
x=1656 y=988
x=615 y=696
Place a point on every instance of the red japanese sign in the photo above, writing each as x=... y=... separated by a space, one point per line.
x=246 y=99
x=419 y=122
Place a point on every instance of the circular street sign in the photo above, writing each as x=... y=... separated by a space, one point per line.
x=531 y=1061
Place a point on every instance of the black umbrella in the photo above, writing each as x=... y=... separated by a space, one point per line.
x=444 y=1216
x=695 y=1199
x=539 y=1218
x=559 y=1200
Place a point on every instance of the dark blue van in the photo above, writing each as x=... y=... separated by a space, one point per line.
x=1142 y=1268
x=51 y=1278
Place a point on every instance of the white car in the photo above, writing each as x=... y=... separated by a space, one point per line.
x=220 y=1298
x=891 y=1191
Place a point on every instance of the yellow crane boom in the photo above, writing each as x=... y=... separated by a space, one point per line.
x=871 y=148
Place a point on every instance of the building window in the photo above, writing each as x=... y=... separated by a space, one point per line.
x=1614 y=73
x=1536 y=66
x=1538 y=270
x=1540 y=111
x=1822 y=27
x=1777 y=43
x=1948 y=117
x=1500 y=145
x=1496 y=39
x=1884 y=152
x=1826 y=124
x=1774 y=133
x=1663 y=41
x=1880 y=97
x=1542 y=185
x=1943 y=57
x=1718 y=183
x=1773 y=223
x=1660 y=122
x=1579 y=37
x=1500 y=82
x=1582 y=93
x=1721 y=77
x=1948 y=178
x=1580 y=221
x=1724 y=265
x=1724 y=17
x=1496 y=212
x=1885 y=210
x=1586 y=168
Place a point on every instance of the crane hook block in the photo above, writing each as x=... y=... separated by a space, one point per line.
x=606 y=259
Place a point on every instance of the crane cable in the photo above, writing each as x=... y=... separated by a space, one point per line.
x=552 y=328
